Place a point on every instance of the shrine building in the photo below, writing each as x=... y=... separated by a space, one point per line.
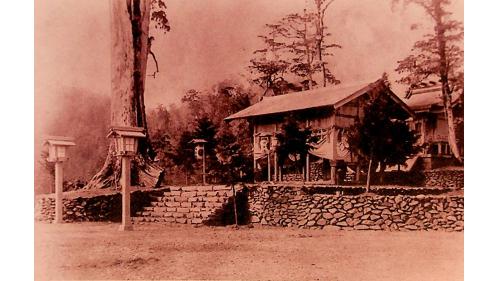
x=328 y=112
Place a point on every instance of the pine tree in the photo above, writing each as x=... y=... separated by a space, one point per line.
x=438 y=55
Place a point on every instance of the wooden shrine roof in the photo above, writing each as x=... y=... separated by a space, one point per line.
x=329 y=96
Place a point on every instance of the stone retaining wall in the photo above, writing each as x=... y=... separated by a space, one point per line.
x=105 y=207
x=292 y=207
x=434 y=178
x=185 y=205
x=445 y=178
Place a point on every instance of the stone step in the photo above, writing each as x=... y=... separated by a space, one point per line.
x=137 y=220
x=179 y=212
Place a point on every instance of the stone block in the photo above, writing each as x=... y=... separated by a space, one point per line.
x=347 y=206
x=181 y=220
x=321 y=222
x=196 y=221
x=361 y=227
x=338 y=215
x=172 y=204
x=160 y=209
x=189 y=194
x=205 y=214
x=205 y=188
x=327 y=216
x=183 y=210
x=311 y=223
x=222 y=187
x=186 y=204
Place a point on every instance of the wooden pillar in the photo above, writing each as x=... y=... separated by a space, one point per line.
x=269 y=167
x=204 y=168
x=59 y=192
x=308 y=168
x=440 y=149
x=358 y=172
x=254 y=166
x=275 y=166
x=333 y=172
x=125 y=183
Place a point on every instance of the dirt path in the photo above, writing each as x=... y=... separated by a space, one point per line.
x=99 y=251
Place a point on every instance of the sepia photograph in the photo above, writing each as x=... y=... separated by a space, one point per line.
x=248 y=140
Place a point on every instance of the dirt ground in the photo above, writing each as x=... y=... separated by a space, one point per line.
x=99 y=251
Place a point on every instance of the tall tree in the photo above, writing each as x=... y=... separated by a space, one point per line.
x=381 y=137
x=269 y=67
x=295 y=44
x=322 y=48
x=440 y=55
x=130 y=46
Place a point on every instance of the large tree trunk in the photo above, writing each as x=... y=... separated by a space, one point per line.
x=129 y=51
x=443 y=73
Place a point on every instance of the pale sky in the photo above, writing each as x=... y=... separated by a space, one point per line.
x=209 y=42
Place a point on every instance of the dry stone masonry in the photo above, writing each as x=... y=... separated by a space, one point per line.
x=90 y=207
x=293 y=207
x=285 y=205
x=185 y=205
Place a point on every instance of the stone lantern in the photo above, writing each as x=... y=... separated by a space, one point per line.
x=126 y=141
x=199 y=153
x=58 y=147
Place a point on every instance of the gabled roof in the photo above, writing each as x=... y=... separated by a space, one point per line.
x=59 y=140
x=137 y=132
x=426 y=98
x=330 y=96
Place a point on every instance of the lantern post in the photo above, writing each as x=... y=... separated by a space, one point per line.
x=58 y=154
x=126 y=142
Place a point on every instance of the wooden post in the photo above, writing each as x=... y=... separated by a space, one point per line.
x=368 y=177
x=204 y=174
x=308 y=168
x=275 y=166
x=125 y=183
x=234 y=205
x=358 y=172
x=269 y=167
x=59 y=191
x=333 y=173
